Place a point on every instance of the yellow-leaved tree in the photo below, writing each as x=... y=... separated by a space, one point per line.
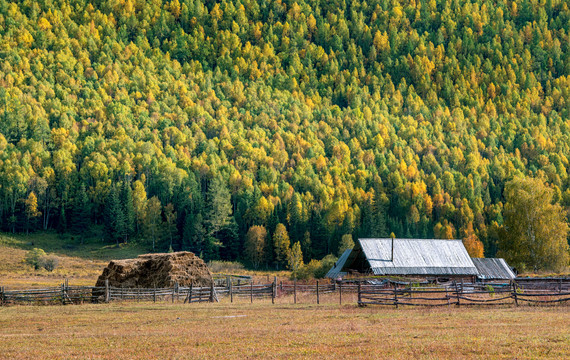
x=534 y=234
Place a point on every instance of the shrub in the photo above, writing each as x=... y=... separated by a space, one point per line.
x=326 y=264
x=37 y=258
x=33 y=258
x=316 y=268
x=50 y=262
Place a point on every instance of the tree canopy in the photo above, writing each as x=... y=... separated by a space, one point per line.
x=332 y=118
x=535 y=231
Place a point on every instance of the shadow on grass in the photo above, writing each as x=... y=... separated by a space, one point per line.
x=93 y=247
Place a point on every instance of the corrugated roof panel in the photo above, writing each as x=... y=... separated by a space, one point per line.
x=493 y=268
x=418 y=257
x=336 y=270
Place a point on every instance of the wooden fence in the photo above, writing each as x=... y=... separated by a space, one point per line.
x=459 y=295
x=385 y=292
x=63 y=294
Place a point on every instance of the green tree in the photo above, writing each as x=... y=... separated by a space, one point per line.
x=255 y=245
x=127 y=203
x=295 y=259
x=281 y=244
x=81 y=216
x=534 y=233
x=154 y=221
x=114 y=219
x=170 y=223
x=219 y=207
x=346 y=243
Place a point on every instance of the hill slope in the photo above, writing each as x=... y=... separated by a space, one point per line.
x=184 y=123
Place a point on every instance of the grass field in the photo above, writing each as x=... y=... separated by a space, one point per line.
x=80 y=263
x=262 y=330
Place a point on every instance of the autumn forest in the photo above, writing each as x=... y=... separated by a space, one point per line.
x=237 y=128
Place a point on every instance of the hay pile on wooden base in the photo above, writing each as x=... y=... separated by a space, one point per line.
x=157 y=271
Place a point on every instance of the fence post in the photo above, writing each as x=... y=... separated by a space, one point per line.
x=295 y=291
x=396 y=294
x=359 y=294
x=318 y=292
x=190 y=293
x=251 y=291
x=231 y=292
x=212 y=292
x=457 y=293
x=514 y=287
x=107 y=295
x=228 y=282
x=447 y=295
x=340 y=293
x=274 y=289
x=1 y=295
x=154 y=294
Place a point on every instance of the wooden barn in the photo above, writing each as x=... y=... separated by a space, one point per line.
x=406 y=257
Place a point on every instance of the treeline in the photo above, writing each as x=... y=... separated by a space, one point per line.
x=184 y=124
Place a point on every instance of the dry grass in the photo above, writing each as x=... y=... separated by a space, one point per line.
x=262 y=330
x=81 y=264
x=14 y=273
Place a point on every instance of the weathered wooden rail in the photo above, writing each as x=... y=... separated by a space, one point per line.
x=388 y=293
x=459 y=295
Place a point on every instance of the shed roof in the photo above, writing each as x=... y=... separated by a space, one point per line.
x=493 y=269
x=417 y=257
x=336 y=270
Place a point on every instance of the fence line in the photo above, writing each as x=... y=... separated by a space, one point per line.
x=465 y=295
x=391 y=293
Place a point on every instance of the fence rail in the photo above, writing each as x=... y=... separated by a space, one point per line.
x=459 y=295
x=386 y=292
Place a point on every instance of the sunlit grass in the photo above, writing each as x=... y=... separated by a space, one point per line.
x=81 y=264
x=283 y=330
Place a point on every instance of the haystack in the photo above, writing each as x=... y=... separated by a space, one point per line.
x=157 y=271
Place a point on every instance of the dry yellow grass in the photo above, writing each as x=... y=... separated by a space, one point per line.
x=262 y=330
x=14 y=273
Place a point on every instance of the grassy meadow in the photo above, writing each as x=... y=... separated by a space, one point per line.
x=80 y=263
x=262 y=330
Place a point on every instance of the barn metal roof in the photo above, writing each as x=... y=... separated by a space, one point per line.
x=336 y=270
x=493 y=269
x=417 y=257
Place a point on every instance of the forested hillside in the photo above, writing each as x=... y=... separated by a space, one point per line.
x=185 y=123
